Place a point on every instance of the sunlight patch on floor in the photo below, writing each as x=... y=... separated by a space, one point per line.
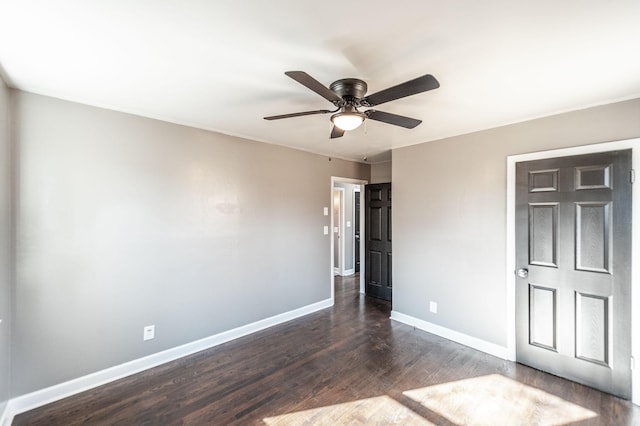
x=376 y=410
x=494 y=400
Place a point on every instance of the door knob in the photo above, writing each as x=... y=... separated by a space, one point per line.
x=522 y=272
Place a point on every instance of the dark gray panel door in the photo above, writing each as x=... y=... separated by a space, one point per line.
x=378 y=240
x=356 y=230
x=573 y=251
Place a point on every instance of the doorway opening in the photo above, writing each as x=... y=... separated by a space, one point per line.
x=347 y=219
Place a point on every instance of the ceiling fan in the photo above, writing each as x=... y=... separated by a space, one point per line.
x=348 y=94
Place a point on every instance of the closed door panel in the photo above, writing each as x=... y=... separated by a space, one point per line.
x=573 y=251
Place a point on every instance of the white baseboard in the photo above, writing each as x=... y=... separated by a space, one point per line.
x=345 y=273
x=41 y=397
x=464 y=339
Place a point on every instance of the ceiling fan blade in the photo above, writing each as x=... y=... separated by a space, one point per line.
x=396 y=120
x=298 y=114
x=408 y=88
x=313 y=84
x=336 y=132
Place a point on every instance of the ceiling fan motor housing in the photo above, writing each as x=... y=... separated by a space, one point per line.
x=349 y=88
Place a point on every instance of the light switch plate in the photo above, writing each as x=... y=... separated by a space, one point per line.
x=326 y=230
x=433 y=307
x=326 y=211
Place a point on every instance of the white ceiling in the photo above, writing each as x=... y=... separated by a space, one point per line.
x=219 y=65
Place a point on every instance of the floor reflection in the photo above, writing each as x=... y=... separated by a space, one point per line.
x=495 y=400
x=377 y=410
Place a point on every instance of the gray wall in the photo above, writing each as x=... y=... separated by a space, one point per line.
x=124 y=221
x=449 y=214
x=381 y=173
x=5 y=245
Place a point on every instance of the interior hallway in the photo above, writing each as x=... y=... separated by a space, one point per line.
x=346 y=365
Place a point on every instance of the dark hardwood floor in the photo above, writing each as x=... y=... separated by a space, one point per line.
x=348 y=364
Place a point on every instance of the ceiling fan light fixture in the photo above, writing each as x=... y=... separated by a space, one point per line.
x=348 y=119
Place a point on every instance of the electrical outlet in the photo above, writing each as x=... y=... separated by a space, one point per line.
x=149 y=332
x=433 y=307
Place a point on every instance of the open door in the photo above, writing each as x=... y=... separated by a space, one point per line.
x=378 y=282
x=356 y=230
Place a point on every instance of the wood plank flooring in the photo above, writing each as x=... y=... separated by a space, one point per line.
x=348 y=364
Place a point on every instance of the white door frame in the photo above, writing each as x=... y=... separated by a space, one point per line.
x=634 y=145
x=358 y=191
x=339 y=268
x=334 y=180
